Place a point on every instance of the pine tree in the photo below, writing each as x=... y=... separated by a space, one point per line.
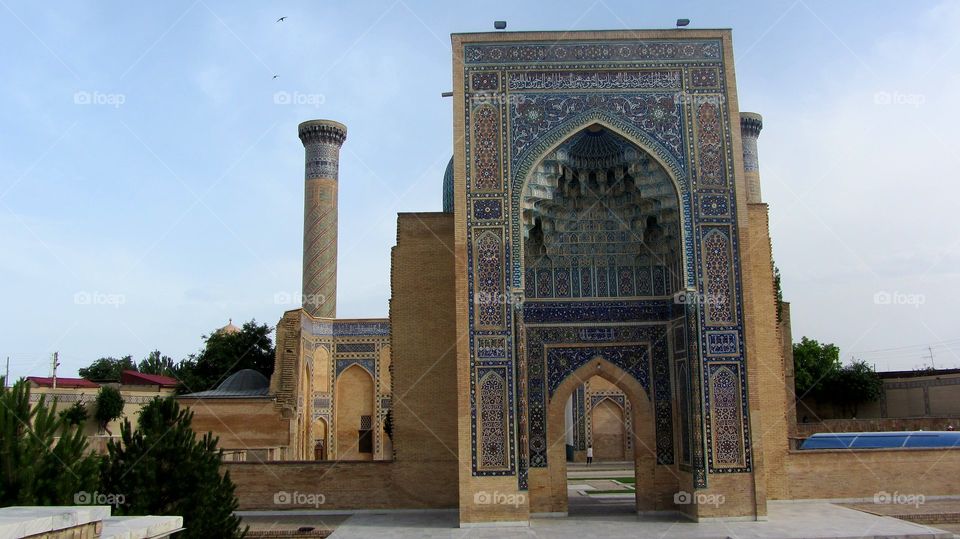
x=43 y=458
x=161 y=468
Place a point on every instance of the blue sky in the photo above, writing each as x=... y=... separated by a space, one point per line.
x=151 y=176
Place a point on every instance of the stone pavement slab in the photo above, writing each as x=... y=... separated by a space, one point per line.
x=795 y=520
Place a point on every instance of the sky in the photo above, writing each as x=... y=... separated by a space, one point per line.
x=151 y=178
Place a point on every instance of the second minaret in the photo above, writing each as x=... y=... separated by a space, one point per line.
x=322 y=140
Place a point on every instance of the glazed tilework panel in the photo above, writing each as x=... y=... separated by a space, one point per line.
x=589 y=52
x=669 y=97
x=596 y=281
x=486 y=139
x=368 y=364
x=579 y=419
x=718 y=291
x=322 y=161
x=563 y=361
x=652 y=310
x=712 y=160
x=727 y=426
x=491 y=294
x=492 y=424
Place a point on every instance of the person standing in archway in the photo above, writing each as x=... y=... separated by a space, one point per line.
x=589 y=455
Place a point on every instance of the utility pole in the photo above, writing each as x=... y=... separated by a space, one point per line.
x=56 y=363
x=930 y=357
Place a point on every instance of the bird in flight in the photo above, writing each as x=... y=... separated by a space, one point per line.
x=275 y=76
x=281 y=19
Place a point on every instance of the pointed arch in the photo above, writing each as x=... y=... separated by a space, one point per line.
x=553 y=497
x=524 y=167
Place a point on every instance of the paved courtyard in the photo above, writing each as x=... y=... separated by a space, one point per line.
x=787 y=519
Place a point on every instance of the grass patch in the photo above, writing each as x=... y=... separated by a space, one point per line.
x=626 y=480
x=592 y=492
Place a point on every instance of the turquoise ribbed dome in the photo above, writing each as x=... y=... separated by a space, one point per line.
x=448 y=188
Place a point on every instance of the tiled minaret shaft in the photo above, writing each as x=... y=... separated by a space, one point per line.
x=321 y=141
x=750 y=125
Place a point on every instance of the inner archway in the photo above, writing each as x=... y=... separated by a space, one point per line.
x=642 y=435
x=607 y=424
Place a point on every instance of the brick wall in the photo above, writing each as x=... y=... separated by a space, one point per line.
x=766 y=357
x=826 y=474
x=291 y=485
x=240 y=423
x=423 y=337
x=876 y=425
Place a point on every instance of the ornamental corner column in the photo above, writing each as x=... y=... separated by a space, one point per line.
x=322 y=140
x=750 y=125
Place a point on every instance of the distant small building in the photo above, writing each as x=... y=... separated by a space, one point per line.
x=228 y=329
x=136 y=388
x=134 y=378
x=61 y=383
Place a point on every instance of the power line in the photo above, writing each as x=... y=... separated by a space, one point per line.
x=951 y=342
x=913 y=352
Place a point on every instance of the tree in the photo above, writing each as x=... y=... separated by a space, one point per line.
x=75 y=415
x=107 y=369
x=43 y=458
x=225 y=353
x=155 y=363
x=388 y=424
x=854 y=384
x=109 y=406
x=820 y=376
x=814 y=366
x=163 y=469
x=778 y=291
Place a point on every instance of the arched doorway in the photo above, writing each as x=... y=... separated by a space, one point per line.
x=320 y=439
x=602 y=258
x=608 y=439
x=644 y=443
x=354 y=414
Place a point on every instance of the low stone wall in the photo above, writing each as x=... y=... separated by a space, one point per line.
x=336 y=485
x=804 y=430
x=863 y=474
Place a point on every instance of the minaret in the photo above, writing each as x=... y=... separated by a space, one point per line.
x=750 y=125
x=321 y=141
